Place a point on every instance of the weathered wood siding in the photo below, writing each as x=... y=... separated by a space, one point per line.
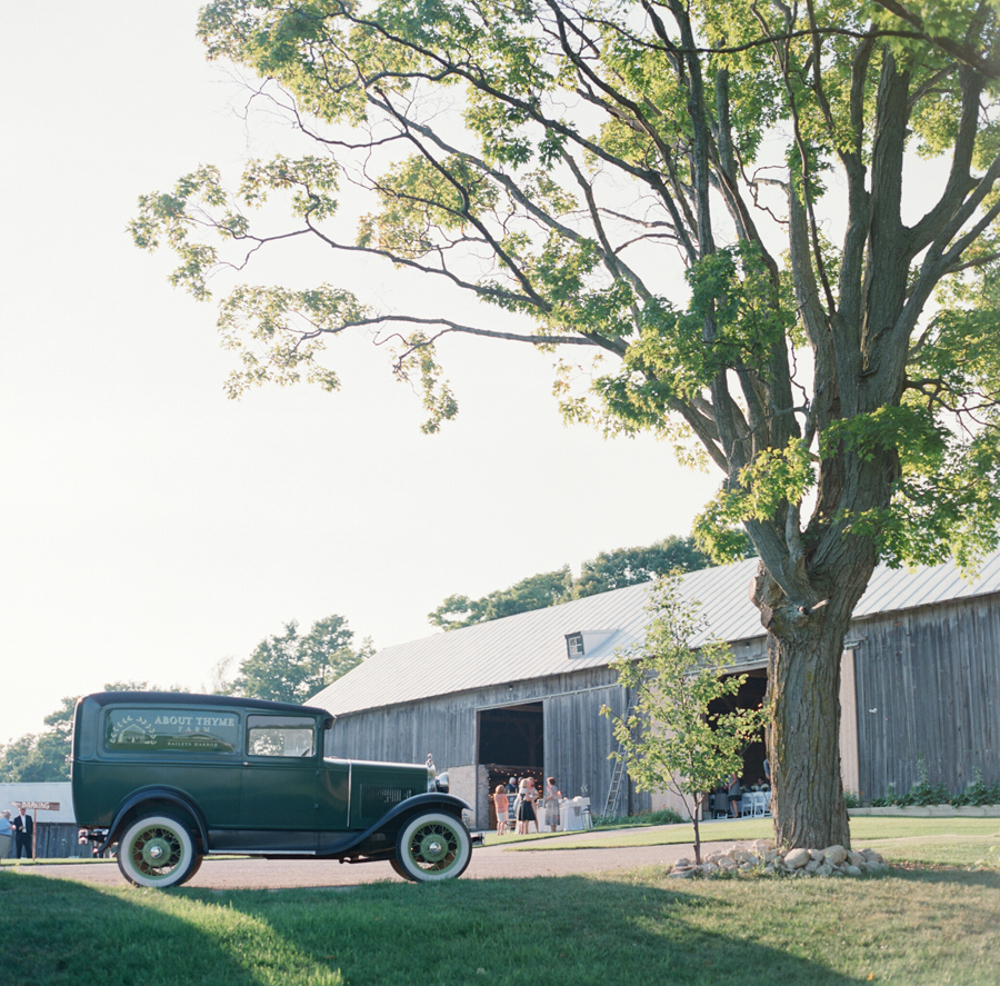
x=577 y=739
x=928 y=684
x=444 y=727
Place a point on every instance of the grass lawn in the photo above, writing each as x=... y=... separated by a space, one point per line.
x=910 y=926
x=928 y=841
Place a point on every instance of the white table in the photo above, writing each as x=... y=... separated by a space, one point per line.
x=571 y=815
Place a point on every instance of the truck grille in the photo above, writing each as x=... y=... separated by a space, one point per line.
x=377 y=799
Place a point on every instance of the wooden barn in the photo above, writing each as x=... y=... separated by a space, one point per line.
x=520 y=695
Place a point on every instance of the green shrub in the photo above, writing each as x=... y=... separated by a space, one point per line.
x=924 y=793
x=978 y=793
x=888 y=800
x=664 y=816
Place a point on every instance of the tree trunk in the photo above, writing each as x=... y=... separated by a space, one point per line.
x=700 y=800
x=803 y=737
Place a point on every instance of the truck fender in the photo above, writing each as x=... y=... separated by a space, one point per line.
x=443 y=802
x=159 y=795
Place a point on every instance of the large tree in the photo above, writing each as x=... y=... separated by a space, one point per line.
x=823 y=174
x=630 y=566
x=292 y=666
x=534 y=592
x=609 y=570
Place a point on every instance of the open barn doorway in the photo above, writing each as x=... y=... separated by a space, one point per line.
x=750 y=696
x=511 y=745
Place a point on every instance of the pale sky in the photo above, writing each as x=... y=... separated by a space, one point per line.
x=151 y=526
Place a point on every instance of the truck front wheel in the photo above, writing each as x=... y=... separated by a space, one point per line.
x=433 y=846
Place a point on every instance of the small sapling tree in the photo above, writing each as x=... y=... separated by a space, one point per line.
x=669 y=739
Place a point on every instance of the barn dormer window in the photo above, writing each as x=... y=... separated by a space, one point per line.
x=587 y=642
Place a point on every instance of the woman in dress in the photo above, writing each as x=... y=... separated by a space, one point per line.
x=525 y=813
x=553 y=797
x=533 y=796
x=501 y=804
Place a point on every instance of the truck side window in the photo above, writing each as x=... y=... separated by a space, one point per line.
x=281 y=736
x=170 y=730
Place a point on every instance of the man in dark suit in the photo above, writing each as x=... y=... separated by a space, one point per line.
x=24 y=827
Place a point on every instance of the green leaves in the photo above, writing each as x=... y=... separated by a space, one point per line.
x=734 y=320
x=609 y=570
x=945 y=504
x=291 y=667
x=174 y=217
x=279 y=333
x=908 y=429
x=773 y=480
x=417 y=358
x=945 y=435
x=422 y=202
x=199 y=205
x=630 y=566
x=534 y=592
x=310 y=179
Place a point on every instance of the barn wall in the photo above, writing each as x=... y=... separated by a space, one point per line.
x=576 y=738
x=928 y=683
x=444 y=727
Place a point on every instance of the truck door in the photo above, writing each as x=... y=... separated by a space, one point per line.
x=280 y=781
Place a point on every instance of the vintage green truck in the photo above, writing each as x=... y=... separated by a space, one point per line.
x=172 y=778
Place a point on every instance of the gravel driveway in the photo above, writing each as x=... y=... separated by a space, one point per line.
x=488 y=862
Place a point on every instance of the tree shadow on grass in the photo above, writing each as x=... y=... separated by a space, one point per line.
x=55 y=932
x=556 y=930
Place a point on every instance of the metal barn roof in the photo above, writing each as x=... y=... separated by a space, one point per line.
x=533 y=645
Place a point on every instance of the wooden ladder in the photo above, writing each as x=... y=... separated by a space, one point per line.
x=618 y=774
x=615 y=789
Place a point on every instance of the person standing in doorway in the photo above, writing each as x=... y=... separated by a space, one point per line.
x=24 y=828
x=512 y=803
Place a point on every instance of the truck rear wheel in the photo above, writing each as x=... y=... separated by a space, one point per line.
x=157 y=851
